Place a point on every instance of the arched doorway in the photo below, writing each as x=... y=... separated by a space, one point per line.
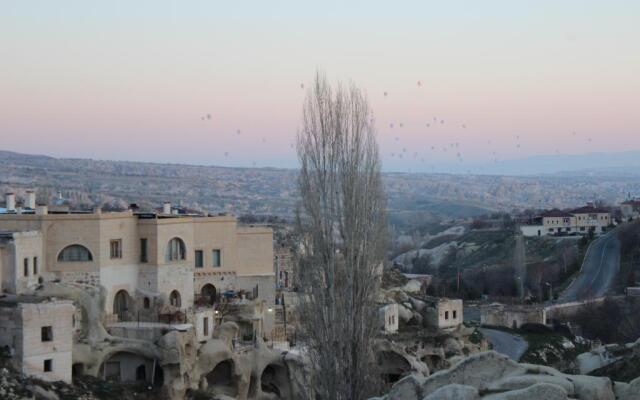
x=121 y=304
x=141 y=373
x=209 y=293
x=274 y=380
x=393 y=366
x=221 y=379
x=174 y=299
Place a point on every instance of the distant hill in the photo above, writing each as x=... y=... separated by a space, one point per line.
x=271 y=191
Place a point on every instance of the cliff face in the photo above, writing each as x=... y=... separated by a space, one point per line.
x=491 y=376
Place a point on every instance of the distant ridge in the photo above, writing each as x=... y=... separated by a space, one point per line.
x=591 y=164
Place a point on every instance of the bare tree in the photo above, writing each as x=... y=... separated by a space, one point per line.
x=342 y=224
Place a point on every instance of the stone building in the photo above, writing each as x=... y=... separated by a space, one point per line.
x=444 y=313
x=630 y=209
x=148 y=273
x=512 y=316
x=39 y=334
x=388 y=314
x=579 y=221
x=283 y=265
x=145 y=261
x=20 y=260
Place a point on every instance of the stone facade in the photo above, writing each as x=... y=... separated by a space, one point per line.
x=389 y=316
x=579 y=221
x=283 y=265
x=40 y=334
x=20 y=261
x=444 y=313
x=132 y=254
x=512 y=316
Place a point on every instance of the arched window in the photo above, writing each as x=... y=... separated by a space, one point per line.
x=175 y=250
x=75 y=253
x=174 y=299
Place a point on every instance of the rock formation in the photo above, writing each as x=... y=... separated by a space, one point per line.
x=491 y=376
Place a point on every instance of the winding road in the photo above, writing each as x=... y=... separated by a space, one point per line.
x=599 y=270
x=512 y=346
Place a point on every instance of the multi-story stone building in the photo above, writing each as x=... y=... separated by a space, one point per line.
x=146 y=262
x=591 y=218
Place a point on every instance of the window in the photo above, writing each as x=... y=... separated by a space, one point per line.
x=446 y=315
x=115 y=247
x=26 y=267
x=216 y=260
x=46 y=333
x=199 y=259
x=35 y=265
x=175 y=250
x=75 y=253
x=455 y=314
x=143 y=251
x=174 y=299
x=48 y=365
x=205 y=326
x=146 y=302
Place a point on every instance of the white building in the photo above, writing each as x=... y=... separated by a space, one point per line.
x=579 y=221
x=388 y=315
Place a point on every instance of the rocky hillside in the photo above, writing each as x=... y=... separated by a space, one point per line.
x=15 y=386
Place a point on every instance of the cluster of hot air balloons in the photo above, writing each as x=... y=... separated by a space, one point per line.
x=433 y=125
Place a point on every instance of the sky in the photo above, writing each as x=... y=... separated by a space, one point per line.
x=450 y=83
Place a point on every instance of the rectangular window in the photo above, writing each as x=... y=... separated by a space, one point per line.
x=143 y=251
x=446 y=315
x=46 y=333
x=205 y=326
x=199 y=259
x=455 y=314
x=116 y=248
x=48 y=365
x=216 y=258
x=35 y=265
x=26 y=266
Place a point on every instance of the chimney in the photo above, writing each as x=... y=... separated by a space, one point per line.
x=42 y=210
x=166 y=208
x=31 y=200
x=10 y=201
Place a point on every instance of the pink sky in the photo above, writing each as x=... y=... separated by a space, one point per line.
x=131 y=81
